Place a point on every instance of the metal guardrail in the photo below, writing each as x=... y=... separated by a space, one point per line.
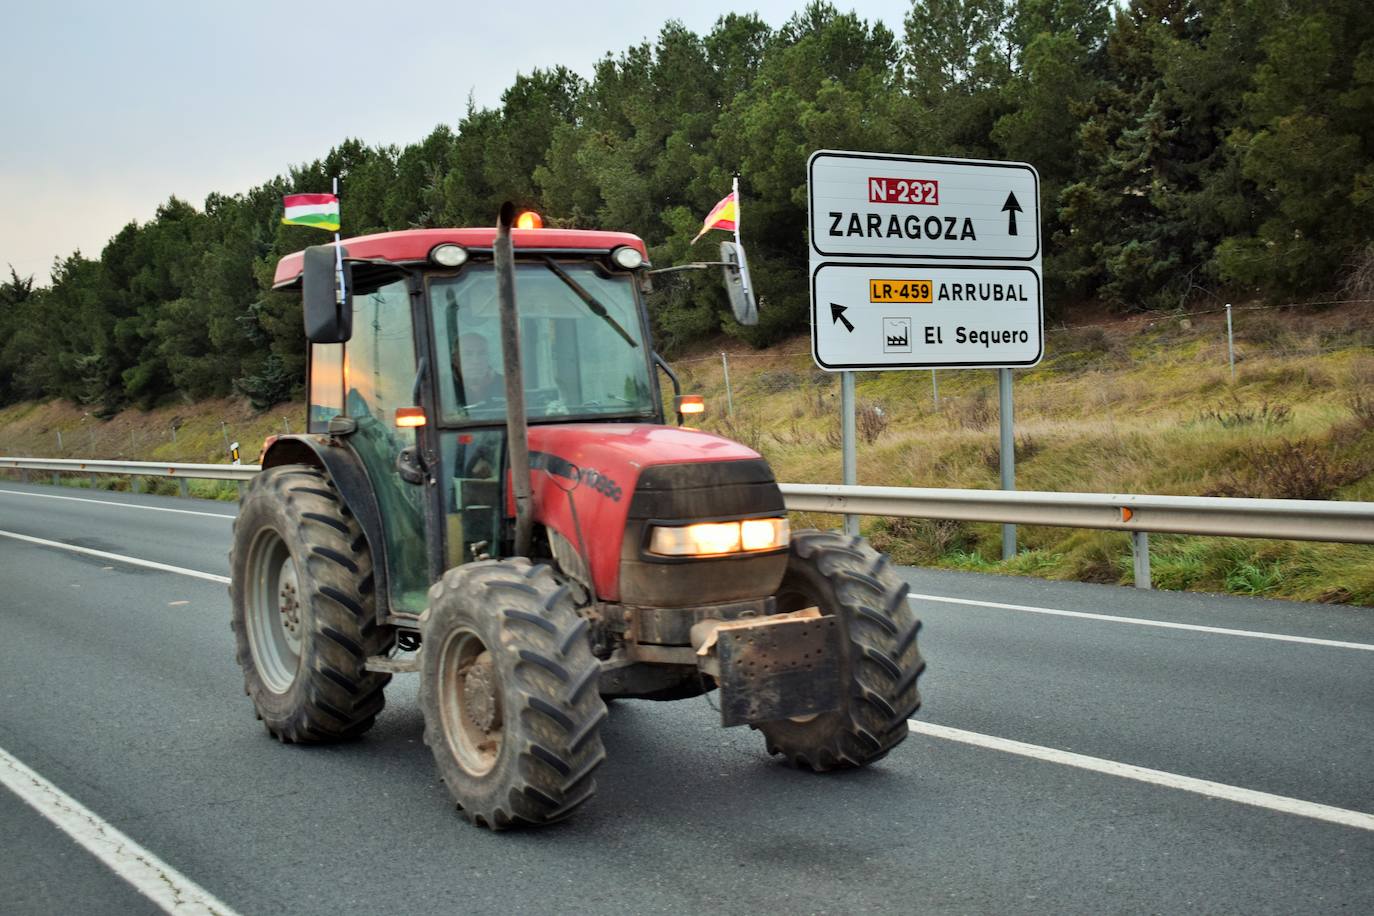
x=134 y=468
x=1282 y=519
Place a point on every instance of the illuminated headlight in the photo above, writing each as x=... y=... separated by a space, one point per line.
x=707 y=539
x=627 y=257
x=449 y=255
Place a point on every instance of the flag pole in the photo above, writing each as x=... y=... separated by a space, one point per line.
x=739 y=212
x=338 y=255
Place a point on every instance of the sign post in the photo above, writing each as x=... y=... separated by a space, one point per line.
x=920 y=262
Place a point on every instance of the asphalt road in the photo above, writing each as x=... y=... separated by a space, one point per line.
x=118 y=684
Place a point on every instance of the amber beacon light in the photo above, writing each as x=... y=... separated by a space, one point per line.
x=529 y=220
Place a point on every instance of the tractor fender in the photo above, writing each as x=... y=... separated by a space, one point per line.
x=345 y=468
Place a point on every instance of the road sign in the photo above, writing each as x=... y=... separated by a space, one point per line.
x=865 y=205
x=891 y=316
x=923 y=262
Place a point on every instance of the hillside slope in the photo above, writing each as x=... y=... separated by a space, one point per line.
x=1145 y=405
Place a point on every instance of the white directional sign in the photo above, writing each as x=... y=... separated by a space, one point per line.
x=865 y=205
x=890 y=316
x=920 y=262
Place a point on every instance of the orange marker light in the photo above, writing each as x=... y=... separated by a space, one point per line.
x=529 y=220
x=410 y=417
x=690 y=404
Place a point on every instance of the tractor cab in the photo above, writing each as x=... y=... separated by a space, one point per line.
x=418 y=386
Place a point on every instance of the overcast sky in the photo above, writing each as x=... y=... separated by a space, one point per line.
x=111 y=108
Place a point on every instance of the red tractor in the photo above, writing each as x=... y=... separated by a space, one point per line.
x=497 y=489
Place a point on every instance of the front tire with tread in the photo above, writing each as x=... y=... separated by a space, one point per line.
x=880 y=661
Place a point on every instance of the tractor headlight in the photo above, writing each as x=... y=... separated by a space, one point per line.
x=709 y=539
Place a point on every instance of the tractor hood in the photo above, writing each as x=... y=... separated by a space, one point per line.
x=599 y=484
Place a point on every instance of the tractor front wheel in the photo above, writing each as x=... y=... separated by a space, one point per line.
x=846 y=578
x=508 y=689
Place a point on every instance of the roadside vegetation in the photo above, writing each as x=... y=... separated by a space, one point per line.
x=1132 y=406
x=1143 y=405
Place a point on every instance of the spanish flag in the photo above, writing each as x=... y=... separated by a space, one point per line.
x=722 y=216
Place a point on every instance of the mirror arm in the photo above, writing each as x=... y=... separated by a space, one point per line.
x=672 y=376
x=695 y=265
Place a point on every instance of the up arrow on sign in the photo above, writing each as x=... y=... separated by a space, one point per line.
x=1011 y=208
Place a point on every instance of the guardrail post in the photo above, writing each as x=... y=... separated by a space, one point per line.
x=183 y=488
x=56 y=479
x=23 y=475
x=1140 y=551
x=93 y=483
x=136 y=484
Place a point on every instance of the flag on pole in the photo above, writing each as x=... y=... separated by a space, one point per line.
x=722 y=216
x=318 y=210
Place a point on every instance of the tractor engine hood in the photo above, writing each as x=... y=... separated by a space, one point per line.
x=600 y=485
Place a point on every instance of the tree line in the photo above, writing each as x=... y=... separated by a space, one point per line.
x=1187 y=149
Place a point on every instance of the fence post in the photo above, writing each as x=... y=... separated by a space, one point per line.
x=729 y=395
x=1230 y=343
x=935 y=388
x=286 y=426
x=224 y=431
x=1140 y=551
x=174 y=435
x=59 y=440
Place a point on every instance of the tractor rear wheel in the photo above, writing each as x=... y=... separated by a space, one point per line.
x=508 y=689
x=880 y=662
x=304 y=617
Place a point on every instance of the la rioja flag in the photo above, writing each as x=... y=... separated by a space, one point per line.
x=318 y=210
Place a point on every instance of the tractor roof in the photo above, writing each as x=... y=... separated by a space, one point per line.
x=411 y=245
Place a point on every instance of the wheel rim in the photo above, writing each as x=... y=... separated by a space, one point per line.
x=470 y=707
x=274 y=613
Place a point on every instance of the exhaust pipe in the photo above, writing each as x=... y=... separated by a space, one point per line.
x=516 y=428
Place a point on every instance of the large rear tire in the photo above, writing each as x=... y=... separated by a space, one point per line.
x=508 y=688
x=880 y=662
x=304 y=613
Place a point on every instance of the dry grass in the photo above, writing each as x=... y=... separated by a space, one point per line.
x=1131 y=409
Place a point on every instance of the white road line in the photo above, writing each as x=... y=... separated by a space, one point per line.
x=1282 y=803
x=149 y=875
x=106 y=502
x=119 y=558
x=1145 y=622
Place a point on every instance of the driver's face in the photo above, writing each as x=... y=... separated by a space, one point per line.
x=472 y=354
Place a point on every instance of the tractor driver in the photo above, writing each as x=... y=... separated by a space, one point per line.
x=475 y=379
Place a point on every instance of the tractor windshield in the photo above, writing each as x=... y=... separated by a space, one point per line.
x=581 y=341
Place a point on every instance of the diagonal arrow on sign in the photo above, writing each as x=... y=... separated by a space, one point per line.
x=837 y=314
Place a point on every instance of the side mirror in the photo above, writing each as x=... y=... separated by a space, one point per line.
x=738 y=284
x=328 y=313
